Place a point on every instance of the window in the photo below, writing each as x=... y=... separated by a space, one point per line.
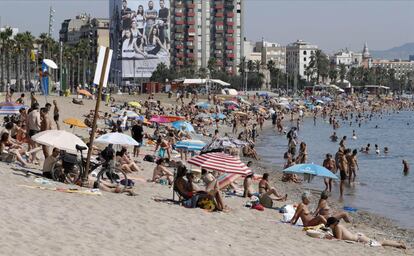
x=304 y=59
x=304 y=52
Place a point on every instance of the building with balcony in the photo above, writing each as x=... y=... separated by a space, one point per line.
x=298 y=56
x=95 y=31
x=206 y=29
x=401 y=67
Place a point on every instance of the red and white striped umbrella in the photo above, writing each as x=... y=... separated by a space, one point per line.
x=220 y=162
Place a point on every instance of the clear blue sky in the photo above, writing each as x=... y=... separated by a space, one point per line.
x=331 y=24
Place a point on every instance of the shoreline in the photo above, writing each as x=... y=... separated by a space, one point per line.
x=381 y=226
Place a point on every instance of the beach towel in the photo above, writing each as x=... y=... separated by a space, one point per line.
x=95 y=192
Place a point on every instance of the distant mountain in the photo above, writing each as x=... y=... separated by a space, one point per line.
x=400 y=52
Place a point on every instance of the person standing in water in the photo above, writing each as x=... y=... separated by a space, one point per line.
x=406 y=167
x=353 y=166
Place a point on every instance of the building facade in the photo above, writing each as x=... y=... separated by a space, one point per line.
x=401 y=67
x=202 y=30
x=298 y=56
x=348 y=58
x=94 y=30
x=272 y=51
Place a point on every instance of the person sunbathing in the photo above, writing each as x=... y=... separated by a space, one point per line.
x=266 y=190
x=325 y=211
x=7 y=146
x=125 y=162
x=342 y=233
x=187 y=190
x=248 y=186
x=303 y=212
x=109 y=187
x=160 y=171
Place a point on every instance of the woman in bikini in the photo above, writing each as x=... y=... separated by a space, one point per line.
x=342 y=233
x=325 y=211
x=266 y=190
x=329 y=164
x=303 y=212
x=161 y=171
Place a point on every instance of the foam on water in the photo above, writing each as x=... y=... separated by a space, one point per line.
x=381 y=187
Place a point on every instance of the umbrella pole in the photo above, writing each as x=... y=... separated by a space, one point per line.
x=95 y=119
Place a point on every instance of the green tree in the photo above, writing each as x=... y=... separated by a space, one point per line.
x=6 y=51
x=333 y=74
x=342 y=72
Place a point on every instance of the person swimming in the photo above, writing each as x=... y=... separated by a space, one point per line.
x=334 y=137
x=385 y=150
x=377 y=150
x=406 y=167
x=354 y=137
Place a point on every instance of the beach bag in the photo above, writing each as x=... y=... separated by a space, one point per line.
x=266 y=201
x=149 y=158
x=206 y=204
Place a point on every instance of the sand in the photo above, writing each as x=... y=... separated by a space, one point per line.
x=42 y=222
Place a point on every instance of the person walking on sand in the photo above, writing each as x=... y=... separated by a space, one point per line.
x=56 y=114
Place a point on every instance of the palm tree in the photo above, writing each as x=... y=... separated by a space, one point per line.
x=250 y=66
x=257 y=65
x=333 y=73
x=28 y=40
x=212 y=65
x=202 y=73
x=6 y=47
x=18 y=52
x=342 y=72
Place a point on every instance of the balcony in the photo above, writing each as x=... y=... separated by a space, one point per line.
x=230 y=39
x=179 y=63
x=219 y=23
x=179 y=29
x=190 y=55
x=230 y=23
x=230 y=55
x=179 y=46
x=219 y=55
x=179 y=22
x=230 y=14
x=191 y=30
x=190 y=22
x=219 y=6
x=190 y=45
x=230 y=47
x=219 y=14
x=179 y=55
x=230 y=31
x=179 y=14
x=191 y=14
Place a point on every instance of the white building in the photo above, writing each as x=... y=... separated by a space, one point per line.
x=298 y=56
x=272 y=51
x=348 y=58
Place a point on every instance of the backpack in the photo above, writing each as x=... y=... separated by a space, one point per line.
x=149 y=158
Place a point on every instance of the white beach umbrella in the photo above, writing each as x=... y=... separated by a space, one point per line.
x=50 y=63
x=60 y=139
x=117 y=138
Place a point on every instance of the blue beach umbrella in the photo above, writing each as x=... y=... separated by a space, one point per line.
x=311 y=169
x=203 y=105
x=183 y=126
x=218 y=116
x=190 y=145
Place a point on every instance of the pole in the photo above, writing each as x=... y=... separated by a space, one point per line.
x=95 y=119
x=60 y=66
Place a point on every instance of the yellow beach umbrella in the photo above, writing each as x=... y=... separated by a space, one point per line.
x=75 y=122
x=134 y=104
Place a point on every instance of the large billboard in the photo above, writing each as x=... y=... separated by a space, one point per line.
x=143 y=28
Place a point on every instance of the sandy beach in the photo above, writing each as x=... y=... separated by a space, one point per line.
x=46 y=222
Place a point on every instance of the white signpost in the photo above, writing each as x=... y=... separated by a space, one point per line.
x=101 y=79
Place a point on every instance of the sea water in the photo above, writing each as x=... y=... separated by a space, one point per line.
x=380 y=185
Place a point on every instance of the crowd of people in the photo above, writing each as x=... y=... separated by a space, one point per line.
x=216 y=118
